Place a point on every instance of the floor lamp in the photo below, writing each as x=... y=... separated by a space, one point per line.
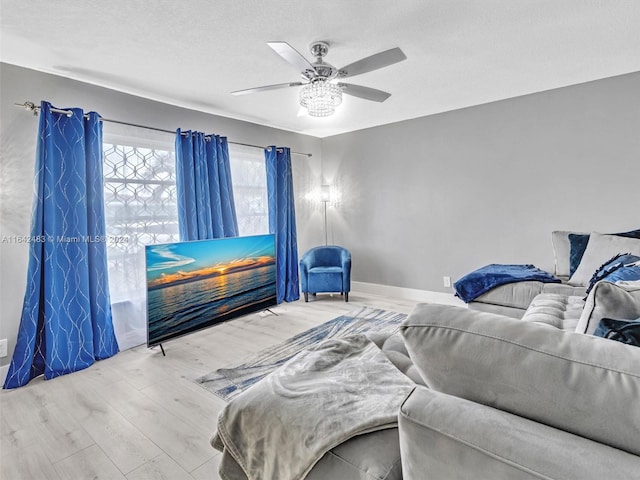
x=325 y=197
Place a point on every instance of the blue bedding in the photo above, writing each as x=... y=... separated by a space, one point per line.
x=484 y=279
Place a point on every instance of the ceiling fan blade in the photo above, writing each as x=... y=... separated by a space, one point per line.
x=267 y=87
x=374 y=62
x=291 y=55
x=364 y=92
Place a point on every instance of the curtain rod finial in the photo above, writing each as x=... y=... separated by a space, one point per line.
x=29 y=106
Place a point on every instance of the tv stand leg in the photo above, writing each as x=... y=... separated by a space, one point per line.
x=162 y=348
x=271 y=312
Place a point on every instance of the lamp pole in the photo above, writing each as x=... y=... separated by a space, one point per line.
x=325 y=197
x=325 y=222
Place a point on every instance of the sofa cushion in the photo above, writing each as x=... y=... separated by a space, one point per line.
x=559 y=311
x=520 y=294
x=498 y=309
x=446 y=437
x=600 y=249
x=563 y=289
x=609 y=300
x=392 y=345
x=372 y=456
x=578 y=383
x=515 y=295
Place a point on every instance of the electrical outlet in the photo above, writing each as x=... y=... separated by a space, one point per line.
x=3 y=347
x=447 y=281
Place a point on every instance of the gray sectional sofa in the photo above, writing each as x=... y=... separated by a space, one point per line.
x=497 y=397
x=535 y=396
x=503 y=398
x=515 y=387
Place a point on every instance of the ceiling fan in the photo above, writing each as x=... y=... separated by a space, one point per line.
x=322 y=91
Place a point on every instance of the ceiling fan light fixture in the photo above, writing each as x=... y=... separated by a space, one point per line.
x=321 y=92
x=321 y=97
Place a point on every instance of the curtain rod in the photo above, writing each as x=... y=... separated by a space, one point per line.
x=32 y=107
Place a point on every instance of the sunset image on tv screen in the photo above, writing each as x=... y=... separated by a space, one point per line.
x=192 y=285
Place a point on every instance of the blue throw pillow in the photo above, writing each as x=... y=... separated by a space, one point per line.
x=608 y=268
x=626 y=274
x=625 y=331
x=578 y=243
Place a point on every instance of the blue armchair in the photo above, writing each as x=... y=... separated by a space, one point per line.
x=326 y=269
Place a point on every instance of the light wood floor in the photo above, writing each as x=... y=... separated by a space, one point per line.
x=138 y=415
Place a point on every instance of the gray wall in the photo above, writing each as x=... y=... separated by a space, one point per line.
x=18 y=131
x=442 y=195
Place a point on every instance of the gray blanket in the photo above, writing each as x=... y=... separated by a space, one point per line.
x=282 y=426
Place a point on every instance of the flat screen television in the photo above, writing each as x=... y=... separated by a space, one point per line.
x=193 y=285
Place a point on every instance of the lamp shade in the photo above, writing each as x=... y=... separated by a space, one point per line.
x=325 y=193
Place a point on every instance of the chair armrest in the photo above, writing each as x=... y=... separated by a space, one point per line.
x=345 y=259
x=305 y=265
x=308 y=260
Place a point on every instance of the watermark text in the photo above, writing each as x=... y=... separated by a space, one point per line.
x=108 y=239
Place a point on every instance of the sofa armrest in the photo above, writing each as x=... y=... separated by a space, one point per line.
x=609 y=300
x=578 y=383
x=442 y=436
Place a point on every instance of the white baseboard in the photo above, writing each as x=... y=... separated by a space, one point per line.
x=408 y=293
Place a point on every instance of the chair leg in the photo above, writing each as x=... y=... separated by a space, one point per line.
x=346 y=296
x=306 y=296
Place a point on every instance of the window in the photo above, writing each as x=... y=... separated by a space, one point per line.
x=249 y=177
x=141 y=209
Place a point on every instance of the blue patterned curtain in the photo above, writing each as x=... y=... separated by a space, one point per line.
x=66 y=315
x=203 y=179
x=282 y=221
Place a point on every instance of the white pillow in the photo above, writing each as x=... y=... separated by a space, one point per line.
x=600 y=249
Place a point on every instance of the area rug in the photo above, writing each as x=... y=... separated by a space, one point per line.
x=229 y=382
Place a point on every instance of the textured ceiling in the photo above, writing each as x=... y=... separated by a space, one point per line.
x=460 y=52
